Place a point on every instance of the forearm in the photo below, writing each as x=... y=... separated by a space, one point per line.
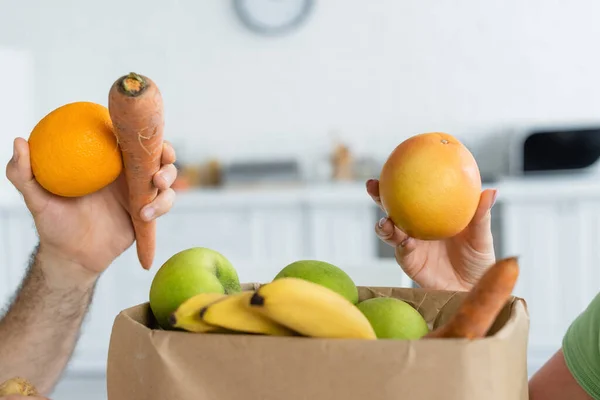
x=572 y=373
x=41 y=327
x=554 y=381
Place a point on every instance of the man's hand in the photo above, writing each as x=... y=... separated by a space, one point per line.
x=78 y=239
x=452 y=264
x=93 y=230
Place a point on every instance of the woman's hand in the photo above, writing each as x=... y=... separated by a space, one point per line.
x=451 y=264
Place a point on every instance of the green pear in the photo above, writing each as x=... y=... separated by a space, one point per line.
x=324 y=274
x=393 y=318
x=187 y=273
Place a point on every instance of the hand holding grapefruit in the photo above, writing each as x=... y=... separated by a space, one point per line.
x=430 y=186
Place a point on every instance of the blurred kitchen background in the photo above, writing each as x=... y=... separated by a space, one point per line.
x=280 y=110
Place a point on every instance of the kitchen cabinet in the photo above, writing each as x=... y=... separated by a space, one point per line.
x=5 y=286
x=554 y=229
x=342 y=232
x=552 y=226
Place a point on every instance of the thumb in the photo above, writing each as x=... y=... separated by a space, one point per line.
x=19 y=173
x=481 y=225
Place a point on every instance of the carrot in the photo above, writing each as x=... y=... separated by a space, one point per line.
x=136 y=109
x=482 y=305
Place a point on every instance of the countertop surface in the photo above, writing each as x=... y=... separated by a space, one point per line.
x=354 y=193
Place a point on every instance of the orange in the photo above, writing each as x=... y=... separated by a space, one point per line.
x=430 y=186
x=74 y=151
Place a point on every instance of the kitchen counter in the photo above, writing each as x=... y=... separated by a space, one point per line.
x=521 y=188
x=513 y=188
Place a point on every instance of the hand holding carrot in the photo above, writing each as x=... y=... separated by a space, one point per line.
x=93 y=230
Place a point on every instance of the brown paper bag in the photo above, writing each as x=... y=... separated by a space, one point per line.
x=147 y=363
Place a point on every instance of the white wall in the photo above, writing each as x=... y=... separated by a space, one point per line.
x=16 y=107
x=377 y=71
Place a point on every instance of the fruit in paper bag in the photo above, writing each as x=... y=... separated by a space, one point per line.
x=74 y=151
x=17 y=386
x=430 y=186
x=324 y=274
x=186 y=274
x=233 y=312
x=311 y=309
x=187 y=315
x=393 y=318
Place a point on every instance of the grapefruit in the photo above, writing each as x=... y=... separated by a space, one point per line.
x=430 y=186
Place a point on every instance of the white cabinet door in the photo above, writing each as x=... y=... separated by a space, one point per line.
x=21 y=239
x=91 y=352
x=257 y=240
x=549 y=237
x=131 y=282
x=228 y=231
x=278 y=237
x=5 y=292
x=377 y=272
x=586 y=276
x=342 y=233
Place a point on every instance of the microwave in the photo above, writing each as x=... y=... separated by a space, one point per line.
x=554 y=150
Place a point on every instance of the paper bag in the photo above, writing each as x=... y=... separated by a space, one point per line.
x=146 y=363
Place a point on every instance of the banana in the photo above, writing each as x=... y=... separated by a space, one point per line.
x=311 y=309
x=233 y=312
x=187 y=315
x=18 y=386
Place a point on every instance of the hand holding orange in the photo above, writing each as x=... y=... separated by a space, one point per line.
x=74 y=151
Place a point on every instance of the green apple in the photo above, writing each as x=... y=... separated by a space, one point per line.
x=393 y=318
x=324 y=274
x=187 y=273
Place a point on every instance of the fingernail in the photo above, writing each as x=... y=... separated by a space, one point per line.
x=15 y=153
x=382 y=222
x=404 y=242
x=494 y=198
x=164 y=176
x=148 y=213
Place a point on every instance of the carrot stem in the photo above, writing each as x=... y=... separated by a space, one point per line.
x=133 y=84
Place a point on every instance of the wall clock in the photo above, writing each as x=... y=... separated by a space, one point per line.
x=273 y=17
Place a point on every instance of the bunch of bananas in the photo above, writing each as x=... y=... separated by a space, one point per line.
x=284 y=307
